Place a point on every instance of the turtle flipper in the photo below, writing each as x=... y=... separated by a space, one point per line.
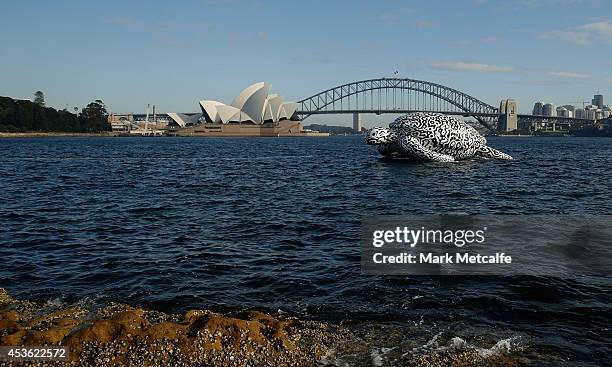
x=489 y=152
x=412 y=148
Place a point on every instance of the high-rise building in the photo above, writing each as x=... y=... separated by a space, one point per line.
x=571 y=110
x=579 y=114
x=537 y=108
x=598 y=100
x=563 y=112
x=591 y=114
x=549 y=110
x=570 y=107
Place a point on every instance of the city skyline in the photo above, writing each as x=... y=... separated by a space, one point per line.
x=129 y=55
x=595 y=110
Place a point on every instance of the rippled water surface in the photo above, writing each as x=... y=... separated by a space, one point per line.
x=265 y=223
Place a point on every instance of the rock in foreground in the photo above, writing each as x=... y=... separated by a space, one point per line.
x=122 y=335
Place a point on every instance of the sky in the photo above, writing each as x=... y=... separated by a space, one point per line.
x=175 y=53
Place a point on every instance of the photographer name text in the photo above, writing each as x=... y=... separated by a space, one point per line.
x=446 y=258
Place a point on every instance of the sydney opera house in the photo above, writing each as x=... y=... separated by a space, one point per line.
x=253 y=105
x=254 y=112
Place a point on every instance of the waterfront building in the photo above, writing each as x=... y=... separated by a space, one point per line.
x=253 y=105
x=254 y=112
x=563 y=112
x=549 y=110
x=591 y=114
x=538 y=108
x=571 y=109
x=579 y=114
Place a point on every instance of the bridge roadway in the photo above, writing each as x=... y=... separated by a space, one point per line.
x=397 y=111
x=521 y=117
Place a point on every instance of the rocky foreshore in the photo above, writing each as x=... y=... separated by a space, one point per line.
x=118 y=334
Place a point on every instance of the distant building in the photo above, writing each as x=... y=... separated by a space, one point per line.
x=563 y=112
x=591 y=114
x=571 y=109
x=579 y=113
x=538 y=108
x=598 y=101
x=549 y=110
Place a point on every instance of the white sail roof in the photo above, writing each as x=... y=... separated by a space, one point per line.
x=252 y=99
x=273 y=104
x=182 y=119
x=209 y=108
x=287 y=110
x=252 y=104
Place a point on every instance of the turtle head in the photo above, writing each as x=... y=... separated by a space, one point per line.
x=380 y=135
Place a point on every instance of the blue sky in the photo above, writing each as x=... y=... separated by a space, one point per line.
x=172 y=54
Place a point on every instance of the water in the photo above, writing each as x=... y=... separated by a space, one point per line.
x=179 y=223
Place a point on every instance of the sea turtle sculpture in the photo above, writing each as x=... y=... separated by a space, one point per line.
x=434 y=137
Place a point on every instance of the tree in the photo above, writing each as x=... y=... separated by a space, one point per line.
x=22 y=115
x=39 y=98
x=94 y=117
x=40 y=122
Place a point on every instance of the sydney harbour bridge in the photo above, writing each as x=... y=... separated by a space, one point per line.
x=401 y=95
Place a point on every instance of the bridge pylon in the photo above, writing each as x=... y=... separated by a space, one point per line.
x=508 y=119
x=357 y=122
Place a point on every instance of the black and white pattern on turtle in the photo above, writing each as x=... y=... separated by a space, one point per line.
x=431 y=137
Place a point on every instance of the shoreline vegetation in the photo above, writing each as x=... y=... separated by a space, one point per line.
x=116 y=334
x=50 y=134
x=24 y=116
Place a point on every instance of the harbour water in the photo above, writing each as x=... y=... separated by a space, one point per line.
x=274 y=224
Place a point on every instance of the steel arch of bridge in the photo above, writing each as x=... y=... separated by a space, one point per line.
x=398 y=95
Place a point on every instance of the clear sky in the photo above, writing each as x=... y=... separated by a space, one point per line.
x=172 y=54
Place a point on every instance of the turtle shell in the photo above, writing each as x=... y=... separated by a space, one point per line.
x=438 y=131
